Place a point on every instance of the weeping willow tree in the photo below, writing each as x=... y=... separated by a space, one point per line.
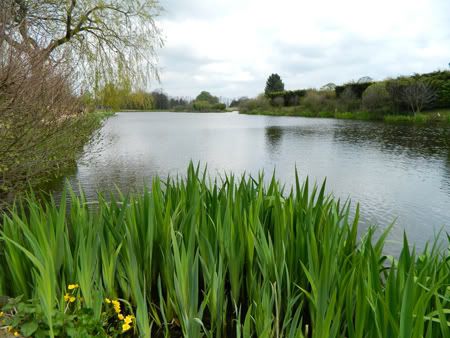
x=103 y=38
x=50 y=51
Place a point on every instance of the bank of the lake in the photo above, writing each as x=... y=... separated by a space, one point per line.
x=440 y=116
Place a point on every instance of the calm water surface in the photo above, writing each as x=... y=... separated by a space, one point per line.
x=395 y=172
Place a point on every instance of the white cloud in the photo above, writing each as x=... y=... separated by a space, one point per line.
x=229 y=47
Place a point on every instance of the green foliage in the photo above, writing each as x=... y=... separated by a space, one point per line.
x=105 y=38
x=257 y=105
x=363 y=100
x=274 y=84
x=228 y=258
x=238 y=102
x=49 y=158
x=161 y=100
x=116 y=96
x=356 y=88
x=376 y=99
x=440 y=82
x=207 y=97
x=286 y=97
x=74 y=319
x=205 y=102
x=348 y=101
x=319 y=101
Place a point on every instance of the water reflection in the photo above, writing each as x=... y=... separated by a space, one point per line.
x=274 y=136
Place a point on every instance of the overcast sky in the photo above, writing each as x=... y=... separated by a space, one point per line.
x=230 y=47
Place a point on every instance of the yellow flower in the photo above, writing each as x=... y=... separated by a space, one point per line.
x=129 y=319
x=120 y=316
x=1 y=314
x=73 y=286
x=116 y=305
x=107 y=300
x=125 y=327
x=10 y=328
x=16 y=334
x=69 y=298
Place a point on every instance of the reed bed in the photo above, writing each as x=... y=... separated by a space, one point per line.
x=236 y=257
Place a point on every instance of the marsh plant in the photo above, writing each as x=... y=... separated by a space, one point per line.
x=234 y=257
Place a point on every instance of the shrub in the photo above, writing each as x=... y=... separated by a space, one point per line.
x=43 y=127
x=278 y=101
x=419 y=95
x=219 y=106
x=376 y=99
x=259 y=104
x=201 y=105
x=205 y=96
x=319 y=101
x=357 y=89
x=290 y=97
x=348 y=101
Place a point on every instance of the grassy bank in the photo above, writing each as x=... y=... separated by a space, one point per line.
x=225 y=259
x=441 y=116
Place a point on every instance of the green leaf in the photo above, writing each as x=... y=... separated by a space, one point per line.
x=28 y=329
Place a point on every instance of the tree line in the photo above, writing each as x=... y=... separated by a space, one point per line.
x=404 y=95
x=122 y=97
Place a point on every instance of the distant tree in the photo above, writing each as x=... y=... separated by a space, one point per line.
x=365 y=79
x=207 y=97
x=139 y=100
x=238 y=102
x=160 y=100
x=178 y=102
x=112 y=96
x=419 y=95
x=274 y=84
x=328 y=86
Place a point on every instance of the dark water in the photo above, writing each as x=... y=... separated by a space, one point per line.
x=396 y=172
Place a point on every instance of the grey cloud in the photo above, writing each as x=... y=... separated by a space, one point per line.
x=346 y=54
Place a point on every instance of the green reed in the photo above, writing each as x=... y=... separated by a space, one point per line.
x=227 y=258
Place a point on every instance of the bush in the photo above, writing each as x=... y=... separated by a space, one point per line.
x=419 y=95
x=259 y=104
x=42 y=124
x=348 y=101
x=202 y=106
x=290 y=97
x=219 y=106
x=319 y=101
x=376 y=99
x=357 y=89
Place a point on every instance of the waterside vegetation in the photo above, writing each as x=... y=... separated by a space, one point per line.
x=231 y=258
x=419 y=98
x=52 y=55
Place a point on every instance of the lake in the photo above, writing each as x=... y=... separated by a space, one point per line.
x=397 y=173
